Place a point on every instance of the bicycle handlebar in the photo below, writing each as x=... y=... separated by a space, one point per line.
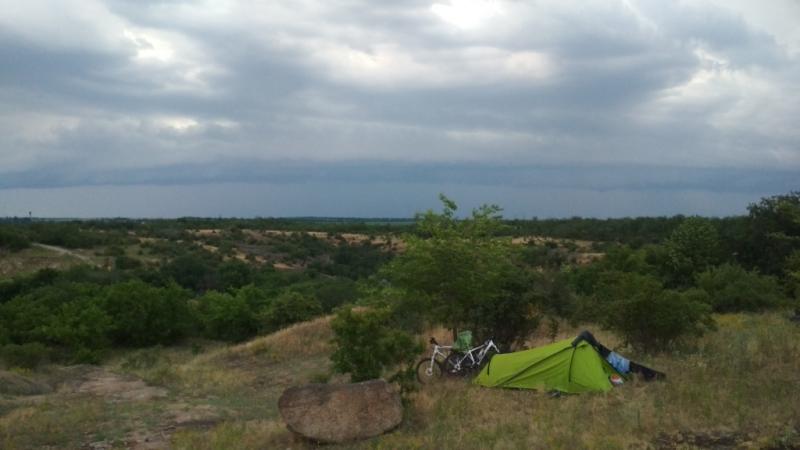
x=433 y=341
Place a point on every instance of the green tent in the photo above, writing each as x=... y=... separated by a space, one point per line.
x=558 y=366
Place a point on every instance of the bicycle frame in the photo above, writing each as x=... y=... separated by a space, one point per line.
x=477 y=359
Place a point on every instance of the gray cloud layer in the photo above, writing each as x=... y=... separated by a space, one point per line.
x=647 y=97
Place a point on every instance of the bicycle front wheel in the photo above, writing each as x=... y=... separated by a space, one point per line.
x=428 y=372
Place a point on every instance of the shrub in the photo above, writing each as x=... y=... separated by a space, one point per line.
x=123 y=262
x=223 y=316
x=731 y=288
x=647 y=316
x=234 y=274
x=331 y=292
x=83 y=328
x=145 y=315
x=13 y=240
x=256 y=298
x=24 y=284
x=288 y=308
x=28 y=356
x=657 y=321
x=367 y=345
x=30 y=317
x=193 y=271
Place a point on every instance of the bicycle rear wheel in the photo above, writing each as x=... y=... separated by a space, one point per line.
x=453 y=366
x=428 y=373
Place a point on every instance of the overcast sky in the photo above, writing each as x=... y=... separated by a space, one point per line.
x=371 y=108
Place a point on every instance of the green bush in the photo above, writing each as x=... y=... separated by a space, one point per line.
x=731 y=288
x=144 y=315
x=645 y=315
x=367 y=344
x=28 y=356
x=68 y=316
x=123 y=262
x=13 y=240
x=331 y=292
x=223 y=316
x=194 y=271
x=29 y=317
x=288 y=308
x=82 y=327
x=234 y=274
x=257 y=299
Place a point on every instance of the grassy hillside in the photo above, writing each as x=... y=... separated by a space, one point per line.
x=737 y=389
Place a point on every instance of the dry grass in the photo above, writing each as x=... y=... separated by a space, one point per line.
x=738 y=388
x=302 y=340
x=33 y=259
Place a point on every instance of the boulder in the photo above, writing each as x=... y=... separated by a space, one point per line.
x=336 y=413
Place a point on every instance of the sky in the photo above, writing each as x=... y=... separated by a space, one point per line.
x=168 y=108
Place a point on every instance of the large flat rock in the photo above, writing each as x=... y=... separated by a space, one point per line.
x=336 y=413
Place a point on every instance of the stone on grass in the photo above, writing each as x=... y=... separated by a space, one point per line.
x=335 y=413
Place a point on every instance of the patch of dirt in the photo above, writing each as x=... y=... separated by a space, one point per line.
x=115 y=386
x=65 y=251
x=713 y=440
x=183 y=415
x=286 y=267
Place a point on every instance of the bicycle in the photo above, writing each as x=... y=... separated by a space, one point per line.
x=429 y=369
x=473 y=359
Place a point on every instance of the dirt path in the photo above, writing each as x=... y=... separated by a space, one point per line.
x=65 y=251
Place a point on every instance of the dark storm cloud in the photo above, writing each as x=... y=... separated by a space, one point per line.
x=643 y=96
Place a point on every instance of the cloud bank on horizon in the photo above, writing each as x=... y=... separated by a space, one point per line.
x=686 y=103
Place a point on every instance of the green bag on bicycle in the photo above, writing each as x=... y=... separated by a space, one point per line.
x=463 y=342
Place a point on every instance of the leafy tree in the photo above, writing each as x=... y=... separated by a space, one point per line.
x=731 y=288
x=460 y=267
x=367 y=344
x=691 y=248
x=793 y=273
x=773 y=234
